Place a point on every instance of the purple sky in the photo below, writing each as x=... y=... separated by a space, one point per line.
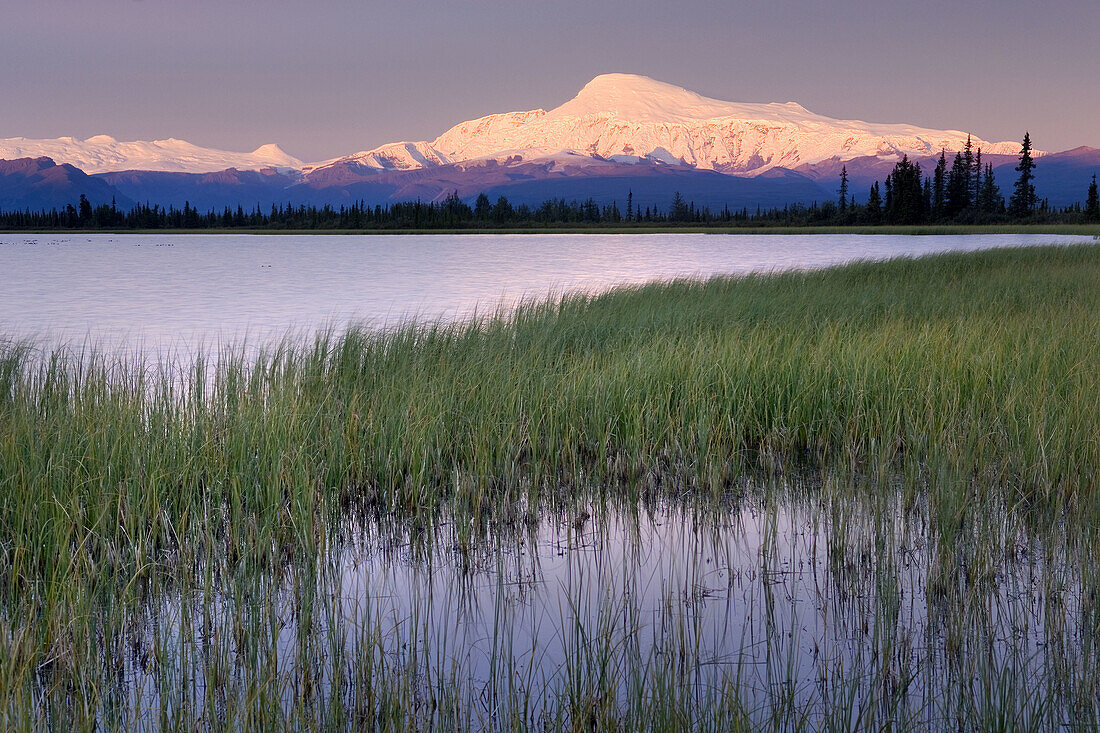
x=325 y=78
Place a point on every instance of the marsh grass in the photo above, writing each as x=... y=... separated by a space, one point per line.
x=966 y=383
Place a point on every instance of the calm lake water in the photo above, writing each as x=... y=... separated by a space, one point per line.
x=175 y=291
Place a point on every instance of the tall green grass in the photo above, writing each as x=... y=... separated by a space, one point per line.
x=973 y=375
x=983 y=363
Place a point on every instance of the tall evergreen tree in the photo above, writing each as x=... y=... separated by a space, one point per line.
x=874 y=204
x=989 y=199
x=976 y=189
x=958 y=187
x=905 y=194
x=502 y=210
x=968 y=169
x=679 y=210
x=1092 y=204
x=482 y=207
x=843 y=191
x=939 y=188
x=1022 y=203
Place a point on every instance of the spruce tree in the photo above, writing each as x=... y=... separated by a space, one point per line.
x=939 y=188
x=679 y=209
x=843 y=204
x=874 y=204
x=976 y=189
x=1022 y=203
x=989 y=200
x=968 y=169
x=1092 y=204
x=958 y=187
x=502 y=210
x=904 y=194
x=482 y=207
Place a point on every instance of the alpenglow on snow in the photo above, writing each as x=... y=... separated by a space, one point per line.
x=104 y=154
x=618 y=117
x=625 y=117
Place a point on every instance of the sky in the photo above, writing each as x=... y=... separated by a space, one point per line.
x=324 y=78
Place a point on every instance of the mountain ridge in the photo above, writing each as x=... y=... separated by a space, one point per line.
x=40 y=183
x=619 y=133
x=105 y=154
x=627 y=117
x=623 y=117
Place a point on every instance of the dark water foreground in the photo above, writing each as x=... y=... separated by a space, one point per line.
x=803 y=604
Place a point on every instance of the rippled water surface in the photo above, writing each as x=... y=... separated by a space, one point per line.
x=166 y=290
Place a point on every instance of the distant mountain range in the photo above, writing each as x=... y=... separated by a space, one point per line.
x=104 y=154
x=620 y=133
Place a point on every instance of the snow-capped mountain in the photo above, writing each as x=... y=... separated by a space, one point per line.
x=619 y=117
x=401 y=156
x=102 y=154
x=620 y=135
x=624 y=117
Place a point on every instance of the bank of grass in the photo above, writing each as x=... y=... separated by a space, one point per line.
x=973 y=374
x=983 y=362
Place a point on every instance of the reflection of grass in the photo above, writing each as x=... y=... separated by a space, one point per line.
x=975 y=375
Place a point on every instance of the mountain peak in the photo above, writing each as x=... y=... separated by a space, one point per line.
x=629 y=116
x=271 y=149
x=635 y=97
x=618 y=83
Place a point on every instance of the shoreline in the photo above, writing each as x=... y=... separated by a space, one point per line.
x=919 y=230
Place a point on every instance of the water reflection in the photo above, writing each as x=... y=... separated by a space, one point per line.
x=785 y=606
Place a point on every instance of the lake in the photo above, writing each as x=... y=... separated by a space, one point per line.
x=178 y=290
x=303 y=589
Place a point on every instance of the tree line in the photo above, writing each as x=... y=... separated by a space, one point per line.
x=966 y=192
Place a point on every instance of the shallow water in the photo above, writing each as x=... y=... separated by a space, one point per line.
x=177 y=291
x=823 y=600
